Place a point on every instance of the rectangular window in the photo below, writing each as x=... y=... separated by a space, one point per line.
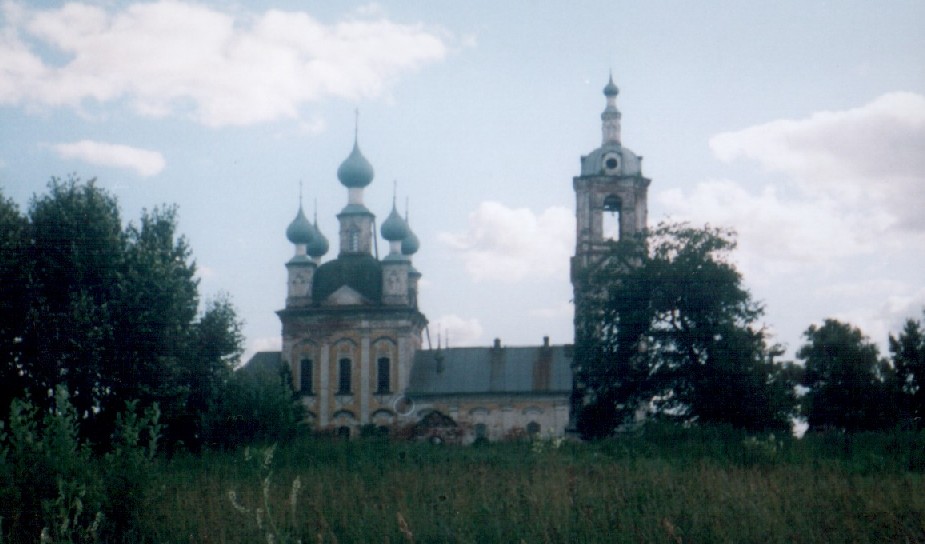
x=382 y=375
x=305 y=377
x=344 y=381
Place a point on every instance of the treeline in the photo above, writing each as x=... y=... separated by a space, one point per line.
x=108 y=357
x=670 y=332
x=112 y=314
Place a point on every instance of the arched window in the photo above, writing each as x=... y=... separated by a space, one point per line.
x=305 y=377
x=610 y=224
x=383 y=375
x=353 y=239
x=343 y=382
x=533 y=428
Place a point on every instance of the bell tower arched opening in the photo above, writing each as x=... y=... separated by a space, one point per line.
x=610 y=220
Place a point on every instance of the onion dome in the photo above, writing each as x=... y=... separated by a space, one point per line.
x=610 y=89
x=300 y=231
x=319 y=244
x=410 y=244
x=355 y=172
x=394 y=228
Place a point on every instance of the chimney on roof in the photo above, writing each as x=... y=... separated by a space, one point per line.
x=496 y=358
x=545 y=341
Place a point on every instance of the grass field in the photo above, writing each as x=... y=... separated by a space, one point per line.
x=664 y=484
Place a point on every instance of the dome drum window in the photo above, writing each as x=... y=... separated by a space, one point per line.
x=611 y=162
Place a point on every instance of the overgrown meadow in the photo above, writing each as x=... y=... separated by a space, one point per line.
x=663 y=484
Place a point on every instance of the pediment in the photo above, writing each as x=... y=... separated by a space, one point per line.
x=345 y=296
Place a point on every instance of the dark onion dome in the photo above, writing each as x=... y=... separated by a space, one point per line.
x=410 y=244
x=394 y=227
x=355 y=172
x=300 y=231
x=610 y=89
x=360 y=272
x=319 y=244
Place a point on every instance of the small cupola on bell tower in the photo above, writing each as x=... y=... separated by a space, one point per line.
x=610 y=117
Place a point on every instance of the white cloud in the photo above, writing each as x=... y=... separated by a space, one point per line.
x=878 y=321
x=854 y=186
x=144 y=162
x=868 y=158
x=457 y=331
x=775 y=234
x=508 y=244
x=219 y=68
x=888 y=303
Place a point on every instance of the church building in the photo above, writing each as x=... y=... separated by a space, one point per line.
x=352 y=328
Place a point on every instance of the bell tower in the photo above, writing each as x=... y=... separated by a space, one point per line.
x=611 y=194
x=611 y=204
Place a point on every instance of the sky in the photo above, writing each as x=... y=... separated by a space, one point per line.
x=800 y=124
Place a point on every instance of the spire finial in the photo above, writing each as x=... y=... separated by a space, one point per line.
x=316 y=212
x=407 y=206
x=356 y=124
x=394 y=192
x=300 y=194
x=610 y=117
x=611 y=90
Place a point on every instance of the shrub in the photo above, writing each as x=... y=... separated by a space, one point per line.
x=255 y=406
x=53 y=489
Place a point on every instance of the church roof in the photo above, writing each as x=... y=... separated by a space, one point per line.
x=360 y=272
x=492 y=370
x=263 y=361
x=592 y=164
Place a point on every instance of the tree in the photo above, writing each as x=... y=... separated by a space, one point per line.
x=76 y=252
x=672 y=329
x=908 y=350
x=14 y=272
x=107 y=311
x=156 y=318
x=256 y=405
x=217 y=345
x=849 y=385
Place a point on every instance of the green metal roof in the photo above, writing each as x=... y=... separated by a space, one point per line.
x=361 y=272
x=499 y=370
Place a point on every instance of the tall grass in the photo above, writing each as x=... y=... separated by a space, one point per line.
x=663 y=485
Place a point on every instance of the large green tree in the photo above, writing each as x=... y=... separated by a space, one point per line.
x=14 y=306
x=109 y=311
x=668 y=327
x=849 y=386
x=908 y=353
